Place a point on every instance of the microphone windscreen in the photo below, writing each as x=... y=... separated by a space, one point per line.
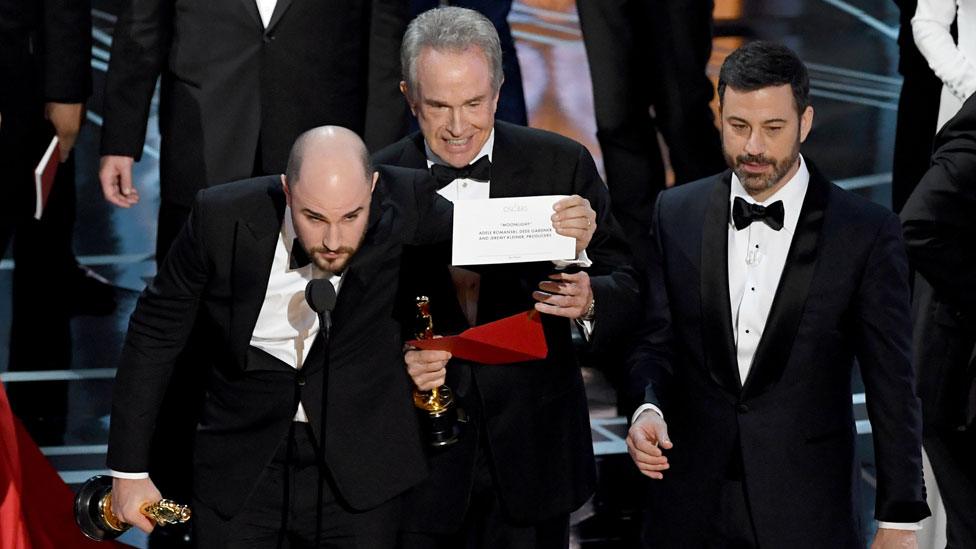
x=320 y=295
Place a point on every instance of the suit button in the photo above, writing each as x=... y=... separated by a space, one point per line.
x=742 y=408
x=301 y=380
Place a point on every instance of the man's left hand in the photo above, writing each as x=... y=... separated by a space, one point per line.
x=66 y=119
x=567 y=295
x=576 y=219
x=891 y=538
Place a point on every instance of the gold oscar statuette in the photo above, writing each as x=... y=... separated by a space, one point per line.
x=94 y=516
x=438 y=414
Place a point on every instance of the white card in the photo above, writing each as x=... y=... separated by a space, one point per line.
x=508 y=230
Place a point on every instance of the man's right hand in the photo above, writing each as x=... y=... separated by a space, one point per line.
x=646 y=440
x=128 y=498
x=115 y=174
x=428 y=369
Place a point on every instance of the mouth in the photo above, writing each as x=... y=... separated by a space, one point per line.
x=755 y=167
x=458 y=142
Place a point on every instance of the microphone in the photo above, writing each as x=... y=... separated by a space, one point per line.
x=320 y=295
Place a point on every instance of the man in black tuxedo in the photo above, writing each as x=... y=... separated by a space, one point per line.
x=524 y=460
x=240 y=80
x=940 y=227
x=305 y=433
x=766 y=282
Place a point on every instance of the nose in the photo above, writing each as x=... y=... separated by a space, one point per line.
x=456 y=124
x=755 y=145
x=331 y=238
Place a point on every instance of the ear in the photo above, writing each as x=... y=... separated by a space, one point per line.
x=376 y=177
x=806 y=123
x=406 y=95
x=284 y=187
x=494 y=101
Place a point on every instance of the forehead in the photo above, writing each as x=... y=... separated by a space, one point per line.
x=330 y=187
x=769 y=103
x=441 y=71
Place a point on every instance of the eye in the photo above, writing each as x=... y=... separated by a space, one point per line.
x=350 y=217
x=773 y=129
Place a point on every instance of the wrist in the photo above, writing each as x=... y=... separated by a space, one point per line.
x=590 y=313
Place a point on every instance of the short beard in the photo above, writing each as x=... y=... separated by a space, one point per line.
x=339 y=265
x=757 y=183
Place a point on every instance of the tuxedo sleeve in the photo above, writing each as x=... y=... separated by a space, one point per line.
x=882 y=319
x=939 y=221
x=158 y=330
x=67 y=50
x=139 y=48
x=386 y=111
x=650 y=364
x=612 y=276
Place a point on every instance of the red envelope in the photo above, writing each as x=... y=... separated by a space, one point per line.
x=44 y=176
x=517 y=338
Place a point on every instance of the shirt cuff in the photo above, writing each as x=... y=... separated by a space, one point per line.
x=643 y=408
x=900 y=525
x=582 y=260
x=586 y=327
x=130 y=476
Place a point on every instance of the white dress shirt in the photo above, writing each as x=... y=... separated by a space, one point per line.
x=756 y=256
x=286 y=325
x=266 y=9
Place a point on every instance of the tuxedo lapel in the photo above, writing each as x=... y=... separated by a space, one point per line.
x=251 y=7
x=281 y=6
x=716 y=308
x=255 y=238
x=510 y=167
x=774 y=348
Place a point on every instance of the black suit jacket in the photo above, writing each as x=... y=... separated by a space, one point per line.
x=234 y=95
x=533 y=415
x=940 y=229
x=217 y=273
x=46 y=45
x=789 y=430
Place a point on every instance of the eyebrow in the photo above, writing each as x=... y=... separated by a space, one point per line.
x=317 y=215
x=770 y=121
x=439 y=103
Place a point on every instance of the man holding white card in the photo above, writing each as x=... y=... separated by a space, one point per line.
x=524 y=460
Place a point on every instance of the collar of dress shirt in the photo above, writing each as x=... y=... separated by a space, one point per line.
x=791 y=194
x=486 y=149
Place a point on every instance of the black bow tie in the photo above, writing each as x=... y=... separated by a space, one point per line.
x=445 y=175
x=299 y=257
x=744 y=213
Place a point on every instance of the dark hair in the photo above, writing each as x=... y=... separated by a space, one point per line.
x=762 y=64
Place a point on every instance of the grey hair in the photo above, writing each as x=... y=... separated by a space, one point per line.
x=297 y=155
x=450 y=29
